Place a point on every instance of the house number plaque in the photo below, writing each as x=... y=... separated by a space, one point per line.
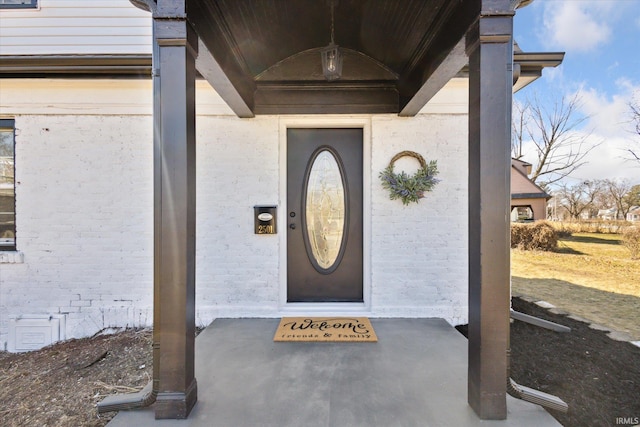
x=265 y=219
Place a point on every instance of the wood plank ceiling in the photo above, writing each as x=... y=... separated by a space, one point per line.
x=269 y=50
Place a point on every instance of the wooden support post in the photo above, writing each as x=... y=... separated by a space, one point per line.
x=490 y=50
x=175 y=50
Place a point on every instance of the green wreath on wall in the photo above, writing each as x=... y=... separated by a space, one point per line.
x=409 y=188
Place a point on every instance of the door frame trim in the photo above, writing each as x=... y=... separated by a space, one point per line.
x=331 y=122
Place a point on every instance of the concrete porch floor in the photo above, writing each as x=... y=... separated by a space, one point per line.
x=415 y=375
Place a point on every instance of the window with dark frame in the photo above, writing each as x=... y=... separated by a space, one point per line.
x=7 y=186
x=18 y=4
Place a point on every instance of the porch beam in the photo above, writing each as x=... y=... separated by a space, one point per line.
x=441 y=56
x=490 y=50
x=209 y=68
x=220 y=60
x=443 y=73
x=174 y=53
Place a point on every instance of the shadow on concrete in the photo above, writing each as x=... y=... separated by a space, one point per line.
x=415 y=375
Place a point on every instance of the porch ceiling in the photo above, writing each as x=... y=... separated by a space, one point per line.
x=269 y=52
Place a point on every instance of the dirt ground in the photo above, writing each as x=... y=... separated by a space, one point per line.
x=60 y=385
x=598 y=377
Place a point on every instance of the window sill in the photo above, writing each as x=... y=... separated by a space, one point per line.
x=11 y=257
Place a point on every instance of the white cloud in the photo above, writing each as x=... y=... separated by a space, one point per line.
x=604 y=74
x=608 y=115
x=575 y=25
x=613 y=66
x=608 y=129
x=608 y=161
x=555 y=74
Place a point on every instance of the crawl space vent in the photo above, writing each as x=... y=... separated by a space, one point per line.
x=32 y=332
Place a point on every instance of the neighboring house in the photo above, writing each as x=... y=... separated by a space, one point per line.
x=607 y=214
x=634 y=214
x=528 y=200
x=235 y=119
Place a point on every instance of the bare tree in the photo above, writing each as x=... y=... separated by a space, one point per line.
x=635 y=119
x=619 y=190
x=575 y=199
x=559 y=148
x=520 y=117
x=603 y=200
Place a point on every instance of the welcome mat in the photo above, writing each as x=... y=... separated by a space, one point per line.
x=327 y=329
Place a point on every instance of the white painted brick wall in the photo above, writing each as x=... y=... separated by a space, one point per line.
x=238 y=167
x=419 y=251
x=84 y=206
x=85 y=216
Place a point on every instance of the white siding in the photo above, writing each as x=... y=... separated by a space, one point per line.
x=76 y=27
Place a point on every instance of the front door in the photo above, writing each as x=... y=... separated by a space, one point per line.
x=324 y=215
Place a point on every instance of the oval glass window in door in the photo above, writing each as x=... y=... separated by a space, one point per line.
x=325 y=211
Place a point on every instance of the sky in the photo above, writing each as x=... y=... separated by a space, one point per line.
x=601 y=41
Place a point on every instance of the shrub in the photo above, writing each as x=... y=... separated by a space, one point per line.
x=566 y=228
x=537 y=236
x=631 y=239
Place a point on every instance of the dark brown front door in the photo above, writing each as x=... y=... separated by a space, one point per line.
x=324 y=202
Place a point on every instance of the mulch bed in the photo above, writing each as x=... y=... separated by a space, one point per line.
x=60 y=385
x=597 y=376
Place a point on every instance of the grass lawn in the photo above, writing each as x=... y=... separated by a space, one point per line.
x=590 y=275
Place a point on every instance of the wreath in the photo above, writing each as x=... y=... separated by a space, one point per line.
x=409 y=188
